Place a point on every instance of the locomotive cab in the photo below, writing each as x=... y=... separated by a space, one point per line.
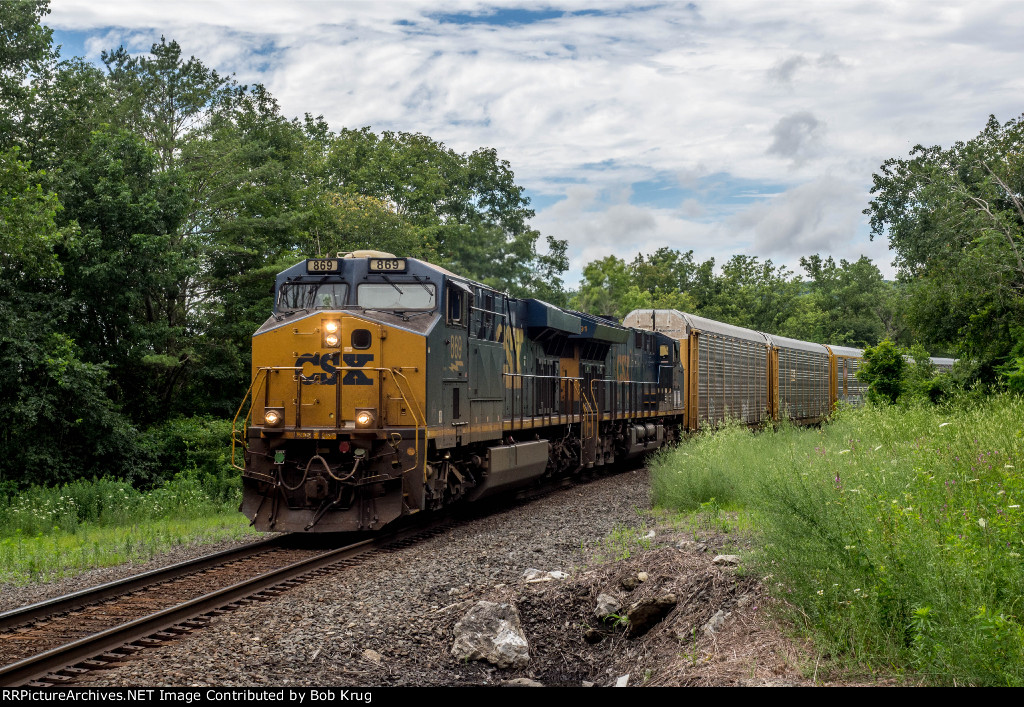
x=338 y=375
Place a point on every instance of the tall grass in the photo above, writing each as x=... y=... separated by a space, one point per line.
x=52 y=532
x=895 y=533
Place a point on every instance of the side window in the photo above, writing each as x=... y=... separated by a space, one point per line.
x=456 y=306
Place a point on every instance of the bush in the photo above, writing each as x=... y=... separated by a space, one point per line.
x=883 y=369
x=896 y=532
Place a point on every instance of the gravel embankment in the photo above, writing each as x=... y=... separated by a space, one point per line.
x=388 y=621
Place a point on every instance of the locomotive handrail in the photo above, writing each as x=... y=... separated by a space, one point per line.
x=570 y=413
x=418 y=413
x=253 y=390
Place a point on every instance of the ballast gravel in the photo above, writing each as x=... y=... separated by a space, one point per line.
x=388 y=621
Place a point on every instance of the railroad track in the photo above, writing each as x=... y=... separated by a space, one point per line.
x=54 y=642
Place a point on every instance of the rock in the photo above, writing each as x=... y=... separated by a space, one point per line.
x=642 y=576
x=629 y=582
x=587 y=683
x=643 y=615
x=491 y=632
x=716 y=622
x=744 y=600
x=521 y=682
x=372 y=656
x=606 y=605
x=726 y=560
x=532 y=575
x=623 y=681
x=649 y=536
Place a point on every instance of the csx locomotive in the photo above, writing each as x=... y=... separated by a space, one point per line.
x=386 y=386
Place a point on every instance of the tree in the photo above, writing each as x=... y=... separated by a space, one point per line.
x=955 y=219
x=466 y=208
x=753 y=294
x=25 y=49
x=883 y=369
x=846 y=301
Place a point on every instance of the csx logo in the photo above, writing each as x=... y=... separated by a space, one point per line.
x=329 y=364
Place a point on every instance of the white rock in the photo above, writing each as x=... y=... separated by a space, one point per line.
x=726 y=560
x=623 y=681
x=642 y=576
x=491 y=632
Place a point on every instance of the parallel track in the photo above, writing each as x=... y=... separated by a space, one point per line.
x=104 y=648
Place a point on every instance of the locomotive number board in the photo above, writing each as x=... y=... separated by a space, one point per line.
x=387 y=264
x=322 y=265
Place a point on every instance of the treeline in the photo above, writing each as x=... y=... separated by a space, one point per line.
x=146 y=205
x=837 y=303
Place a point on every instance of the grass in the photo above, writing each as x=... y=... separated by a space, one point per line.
x=621 y=544
x=894 y=533
x=46 y=533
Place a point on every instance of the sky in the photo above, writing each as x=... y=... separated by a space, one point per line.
x=745 y=127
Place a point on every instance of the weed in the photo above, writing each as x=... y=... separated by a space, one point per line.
x=894 y=532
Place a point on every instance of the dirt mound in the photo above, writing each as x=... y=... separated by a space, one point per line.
x=715 y=635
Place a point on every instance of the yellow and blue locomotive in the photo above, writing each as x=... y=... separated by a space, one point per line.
x=386 y=386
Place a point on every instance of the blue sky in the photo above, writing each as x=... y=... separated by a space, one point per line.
x=722 y=127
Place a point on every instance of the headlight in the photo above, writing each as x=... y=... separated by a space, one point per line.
x=366 y=418
x=332 y=333
x=273 y=417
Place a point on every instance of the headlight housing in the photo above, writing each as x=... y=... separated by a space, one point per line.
x=273 y=417
x=366 y=418
x=331 y=329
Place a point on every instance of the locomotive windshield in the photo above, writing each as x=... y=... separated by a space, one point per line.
x=397 y=295
x=324 y=295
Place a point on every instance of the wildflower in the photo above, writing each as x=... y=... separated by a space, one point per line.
x=981 y=522
x=821 y=592
x=856 y=590
x=849 y=547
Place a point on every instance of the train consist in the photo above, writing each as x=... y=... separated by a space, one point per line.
x=386 y=386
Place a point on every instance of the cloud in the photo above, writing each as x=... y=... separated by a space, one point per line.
x=796 y=137
x=783 y=71
x=821 y=216
x=641 y=90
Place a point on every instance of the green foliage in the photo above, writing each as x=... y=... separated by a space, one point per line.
x=883 y=369
x=621 y=543
x=894 y=531
x=955 y=219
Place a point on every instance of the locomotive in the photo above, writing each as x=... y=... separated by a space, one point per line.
x=385 y=386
